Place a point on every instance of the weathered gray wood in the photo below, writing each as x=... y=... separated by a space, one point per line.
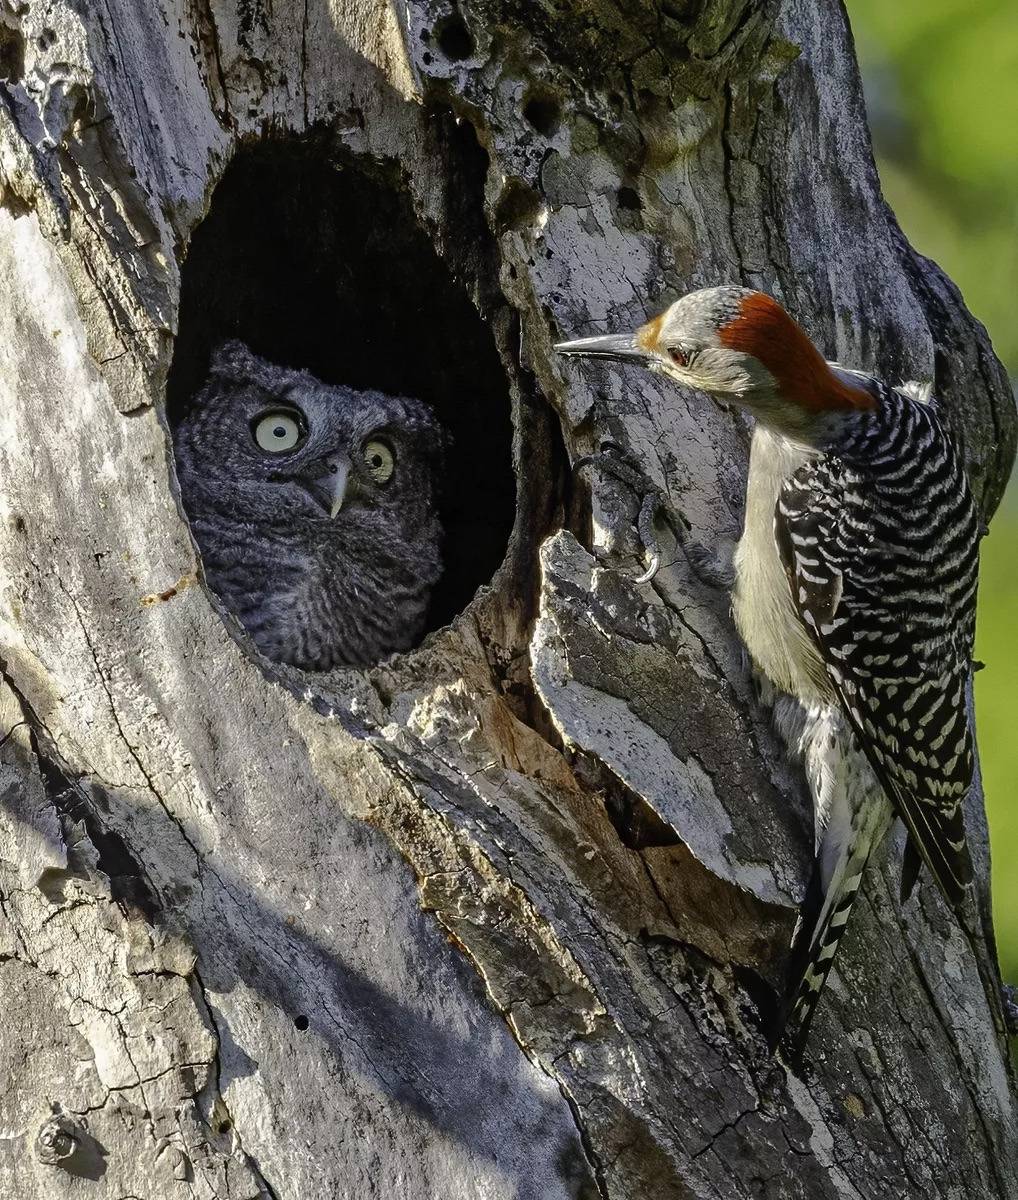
x=525 y=887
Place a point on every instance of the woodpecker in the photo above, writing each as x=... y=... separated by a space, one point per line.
x=854 y=593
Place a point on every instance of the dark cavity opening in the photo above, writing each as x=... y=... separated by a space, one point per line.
x=629 y=198
x=317 y=260
x=12 y=55
x=543 y=112
x=454 y=38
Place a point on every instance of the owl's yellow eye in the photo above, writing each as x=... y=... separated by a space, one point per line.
x=380 y=460
x=278 y=431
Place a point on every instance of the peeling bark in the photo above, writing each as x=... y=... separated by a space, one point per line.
x=501 y=917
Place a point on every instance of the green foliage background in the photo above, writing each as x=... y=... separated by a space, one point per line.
x=941 y=80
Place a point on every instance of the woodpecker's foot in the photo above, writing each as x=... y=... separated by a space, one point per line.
x=713 y=567
x=612 y=458
x=1010 y=999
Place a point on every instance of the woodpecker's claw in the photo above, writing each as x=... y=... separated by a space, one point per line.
x=611 y=457
x=645 y=527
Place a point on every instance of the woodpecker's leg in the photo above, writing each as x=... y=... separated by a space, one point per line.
x=714 y=568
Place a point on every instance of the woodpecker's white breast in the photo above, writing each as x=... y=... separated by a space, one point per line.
x=761 y=600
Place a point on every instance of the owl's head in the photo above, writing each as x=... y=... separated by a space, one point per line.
x=282 y=444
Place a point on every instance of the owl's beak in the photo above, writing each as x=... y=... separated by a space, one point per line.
x=336 y=481
x=328 y=482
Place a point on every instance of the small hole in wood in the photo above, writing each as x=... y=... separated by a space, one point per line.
x=454 y=38
x=629 y=198
x=543 y=112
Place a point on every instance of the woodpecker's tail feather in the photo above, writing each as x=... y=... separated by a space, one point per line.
x=937 y=834
x=852 y=816
x=911 y=865
x=822 y=923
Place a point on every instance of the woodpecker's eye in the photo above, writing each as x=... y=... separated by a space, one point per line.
x=380 y=460
x=278 y=431
x=677 y=357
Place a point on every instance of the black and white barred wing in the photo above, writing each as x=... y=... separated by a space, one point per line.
x=882 y=564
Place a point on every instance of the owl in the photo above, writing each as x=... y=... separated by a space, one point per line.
x=313 y=508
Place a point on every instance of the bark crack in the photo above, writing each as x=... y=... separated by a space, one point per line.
x=131 y=748
x=217 y=1066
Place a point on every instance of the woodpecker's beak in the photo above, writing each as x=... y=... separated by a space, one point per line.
x=619 y=347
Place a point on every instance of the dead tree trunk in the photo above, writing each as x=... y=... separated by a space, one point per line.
x=500 y=918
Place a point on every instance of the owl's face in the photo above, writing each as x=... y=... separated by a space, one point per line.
x=313 y=507
x=289 y=447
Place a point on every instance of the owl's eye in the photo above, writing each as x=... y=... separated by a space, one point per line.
x=278 y=431
x=380 y=460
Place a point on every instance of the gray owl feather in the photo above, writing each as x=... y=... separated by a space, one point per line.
x=313 y=508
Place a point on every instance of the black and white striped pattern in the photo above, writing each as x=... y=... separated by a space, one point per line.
x=879 y=537
x=853 y=815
